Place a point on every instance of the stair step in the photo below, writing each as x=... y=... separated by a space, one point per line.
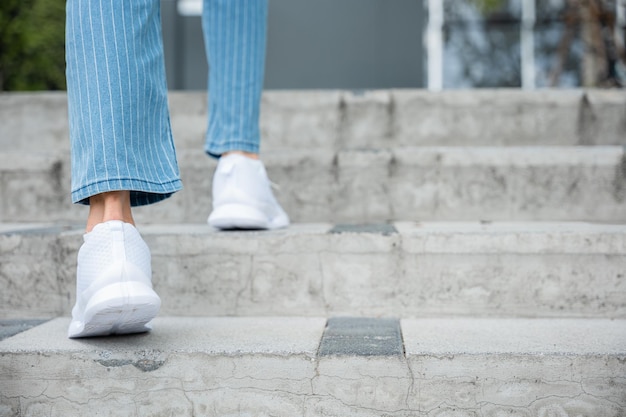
x=520 y=314
x=276 y=367
x=536 y=183
x=402 y=269
x=335 y=120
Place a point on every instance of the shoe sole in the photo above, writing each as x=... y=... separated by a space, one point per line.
x=120 y=308
x=238 y=216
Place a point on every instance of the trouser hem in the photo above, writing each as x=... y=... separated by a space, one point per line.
x=141 y=192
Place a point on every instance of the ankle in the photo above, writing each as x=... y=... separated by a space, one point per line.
x=114 y=205
x=250 y=155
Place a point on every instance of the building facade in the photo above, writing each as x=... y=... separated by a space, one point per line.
x=434 y=44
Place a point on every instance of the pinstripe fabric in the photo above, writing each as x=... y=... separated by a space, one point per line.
x=235 y=38
x=120 y=130
x=117 y=97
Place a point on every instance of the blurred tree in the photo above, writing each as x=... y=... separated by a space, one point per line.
x=604 y=52
x=32 y=45
x=482 y=40
x=489 y=6
x=595 y=22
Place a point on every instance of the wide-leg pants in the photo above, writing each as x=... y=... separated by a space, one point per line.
x=120 y=131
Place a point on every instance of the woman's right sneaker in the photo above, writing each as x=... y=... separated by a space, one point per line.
x=114 y=292
x=242 y=196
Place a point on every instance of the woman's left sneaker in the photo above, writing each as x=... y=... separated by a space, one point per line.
x=114 y=292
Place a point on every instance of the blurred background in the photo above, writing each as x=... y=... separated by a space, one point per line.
x=364 y=44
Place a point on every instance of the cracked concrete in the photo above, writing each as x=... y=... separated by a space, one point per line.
x=408 y=183
x=381 y=118
x=426 y=269
x=268 y=367
x=525 y=164
x=326 y=155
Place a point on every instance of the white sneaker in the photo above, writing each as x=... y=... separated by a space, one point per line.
x=242 y=196
x=114 y=292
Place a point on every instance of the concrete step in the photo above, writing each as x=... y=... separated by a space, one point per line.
x=335 y=120
x=417 y=183
x=402 y=269
x=314 y=367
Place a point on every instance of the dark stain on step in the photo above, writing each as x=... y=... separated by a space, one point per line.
x=359 y=336
x=384 y=229
x=619 y=182
x=587 y=122
x=144 y=365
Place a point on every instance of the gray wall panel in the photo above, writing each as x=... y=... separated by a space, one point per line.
x=348 y=44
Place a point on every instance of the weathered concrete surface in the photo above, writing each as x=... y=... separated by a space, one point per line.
x=30 y=182
x=417 y=183
x=426 y=269
x=269 y=367
x=34 y=121
x=488 y=376
x=335 y=120
x=212 y=367
x=510 y=117
x=33 y=275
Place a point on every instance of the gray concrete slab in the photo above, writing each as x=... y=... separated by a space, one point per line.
x=30 y=181
x=426 y=269
x=381 y=118
x=210 y=366
x=34 y=121
x=464 y=117
x=252 y=366
x=376 y=186
x=479 y=336
x=228 y=336
x=512 y=237
x=478 y=367
x=36 y=229
x=10 y=228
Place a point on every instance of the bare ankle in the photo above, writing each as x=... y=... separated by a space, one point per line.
x=113 y=205
x=246 y=154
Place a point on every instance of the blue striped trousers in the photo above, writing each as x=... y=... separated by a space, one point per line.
x=120 y=131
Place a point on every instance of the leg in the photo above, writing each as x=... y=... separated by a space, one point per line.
x=235 y=37
x=122 y=156
x=117 y=97
x=113 y=205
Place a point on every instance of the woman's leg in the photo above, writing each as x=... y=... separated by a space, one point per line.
x=117 y=97
x=235 y=38
x=122 y=156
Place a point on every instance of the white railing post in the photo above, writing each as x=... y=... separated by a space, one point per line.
x=434 y=45
x=527 y=44
x=620 y=22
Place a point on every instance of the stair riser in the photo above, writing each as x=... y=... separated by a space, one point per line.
x=339 y=119
x=356 y=187
x=313 y=273
x=316 y=367
x=214 y=385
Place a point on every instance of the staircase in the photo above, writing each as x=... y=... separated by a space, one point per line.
x=455 y=254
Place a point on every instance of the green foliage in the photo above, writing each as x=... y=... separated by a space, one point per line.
x=32 y=45
x=488 y=6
